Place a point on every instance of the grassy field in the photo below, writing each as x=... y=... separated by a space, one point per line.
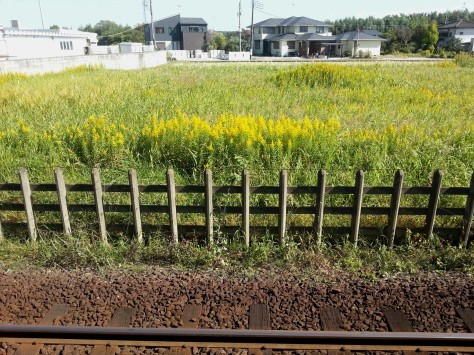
x=376 y=117
x=262 y=117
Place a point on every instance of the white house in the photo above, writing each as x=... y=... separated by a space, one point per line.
x=462 y=30
x=16 y=43
x=302 y=36
x=292 y=36
x=356 y=42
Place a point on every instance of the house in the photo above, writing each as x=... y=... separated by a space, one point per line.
x=463 y=30
x=292 y=36
x=178 y=33
x=353 y=43
x=16 y=43
x=303 y=36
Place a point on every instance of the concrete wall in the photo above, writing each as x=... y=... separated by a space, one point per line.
x=108 y=61
x=239 y=56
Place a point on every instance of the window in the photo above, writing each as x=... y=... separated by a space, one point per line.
x=67 y=45
x=159 y=30
x=319 y=29
x=256 y=44
x=303 y=28
x=62 y=45
x=269 y=30
x=291 y=45
x=70 y=44
x=193 y=29
x=461 y=33
x=276 y=45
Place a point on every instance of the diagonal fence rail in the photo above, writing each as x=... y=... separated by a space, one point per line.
x=210 y=209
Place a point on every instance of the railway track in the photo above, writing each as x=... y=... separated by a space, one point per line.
x=258 y=339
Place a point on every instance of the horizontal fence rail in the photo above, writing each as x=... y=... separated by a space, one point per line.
x=318 y=210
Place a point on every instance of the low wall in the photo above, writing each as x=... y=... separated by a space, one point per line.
x=239 y=56
x=108 y=61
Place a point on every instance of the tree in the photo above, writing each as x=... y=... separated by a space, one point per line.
x=454 y=44
x=54 y=27
x=109 y=33
x=218 y=42
x=425 y=36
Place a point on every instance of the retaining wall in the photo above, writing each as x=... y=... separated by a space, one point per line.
x=108 y=61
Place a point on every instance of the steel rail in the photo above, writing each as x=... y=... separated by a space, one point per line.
x=322 y=340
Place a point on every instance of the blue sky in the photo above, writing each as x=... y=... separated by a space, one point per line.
x=219 y=14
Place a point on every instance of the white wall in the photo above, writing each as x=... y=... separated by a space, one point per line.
x=44 y=47
x=365 y=46
x=468 y=34
x=239 y=56
x=108 y=61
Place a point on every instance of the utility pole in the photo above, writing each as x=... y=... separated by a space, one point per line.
x=240 y=28
x=41 y=13
x=145 y=10
x=152 y=30
x=251 y=32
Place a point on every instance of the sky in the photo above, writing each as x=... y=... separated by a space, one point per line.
x=221 y=15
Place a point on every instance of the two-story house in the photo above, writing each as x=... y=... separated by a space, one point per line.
x=178 y=33
x=293 y=36
x=462 y=30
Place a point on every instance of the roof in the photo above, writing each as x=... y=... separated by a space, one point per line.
x=372 y=32
x=285 y=37
x=192 y=21
x=457 y=24
x=316 y=37
x=290 y=21
x=357 y=36
x=173 y=20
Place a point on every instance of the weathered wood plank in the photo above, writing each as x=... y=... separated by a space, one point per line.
x=135 y=201
x=54 y=314
x=190 y=319
x=62 y=200
x=395 y=207
x=282 y=215
x=468 y=215
x=330 y=319
x=397 y=321
x=357 y=206
x=28 y=204
x=433 y=202
x=209 y=208
x=172 y=213
x=259 y=319
x=246 y=206
x=122 y=317
x=99 y=204
x=467 y=315
x=319 y=214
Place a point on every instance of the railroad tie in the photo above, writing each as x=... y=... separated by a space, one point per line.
x=190 y=319
x=56 y=312
x=331 y=320
x=122 y=317
x=398 y=322
x=259 y=319
x=467 y=315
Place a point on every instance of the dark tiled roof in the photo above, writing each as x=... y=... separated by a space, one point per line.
x=192 y=21
x=457 y=24
x=290 y=21
x=285 y=37
x=372 y=32
x=357 y=36
x=301 y=21
x=316 y=37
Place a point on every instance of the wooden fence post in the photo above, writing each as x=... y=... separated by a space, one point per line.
x=1 y=232
x=135 y=200
x=433 y=202
x=468 y=214
x=61 y=190
x=209 y=206
x=319 y=214
x=99 y=205
x=246 y=206
x=28 y=203
x=395 y=207
x=173 y=216
x=357 y=207
x=282 y=216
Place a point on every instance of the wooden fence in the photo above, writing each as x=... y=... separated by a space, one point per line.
x=317 y=209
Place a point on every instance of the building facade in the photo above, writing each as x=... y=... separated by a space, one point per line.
x=16 y=43
x=462 y=30
x=178 y=33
